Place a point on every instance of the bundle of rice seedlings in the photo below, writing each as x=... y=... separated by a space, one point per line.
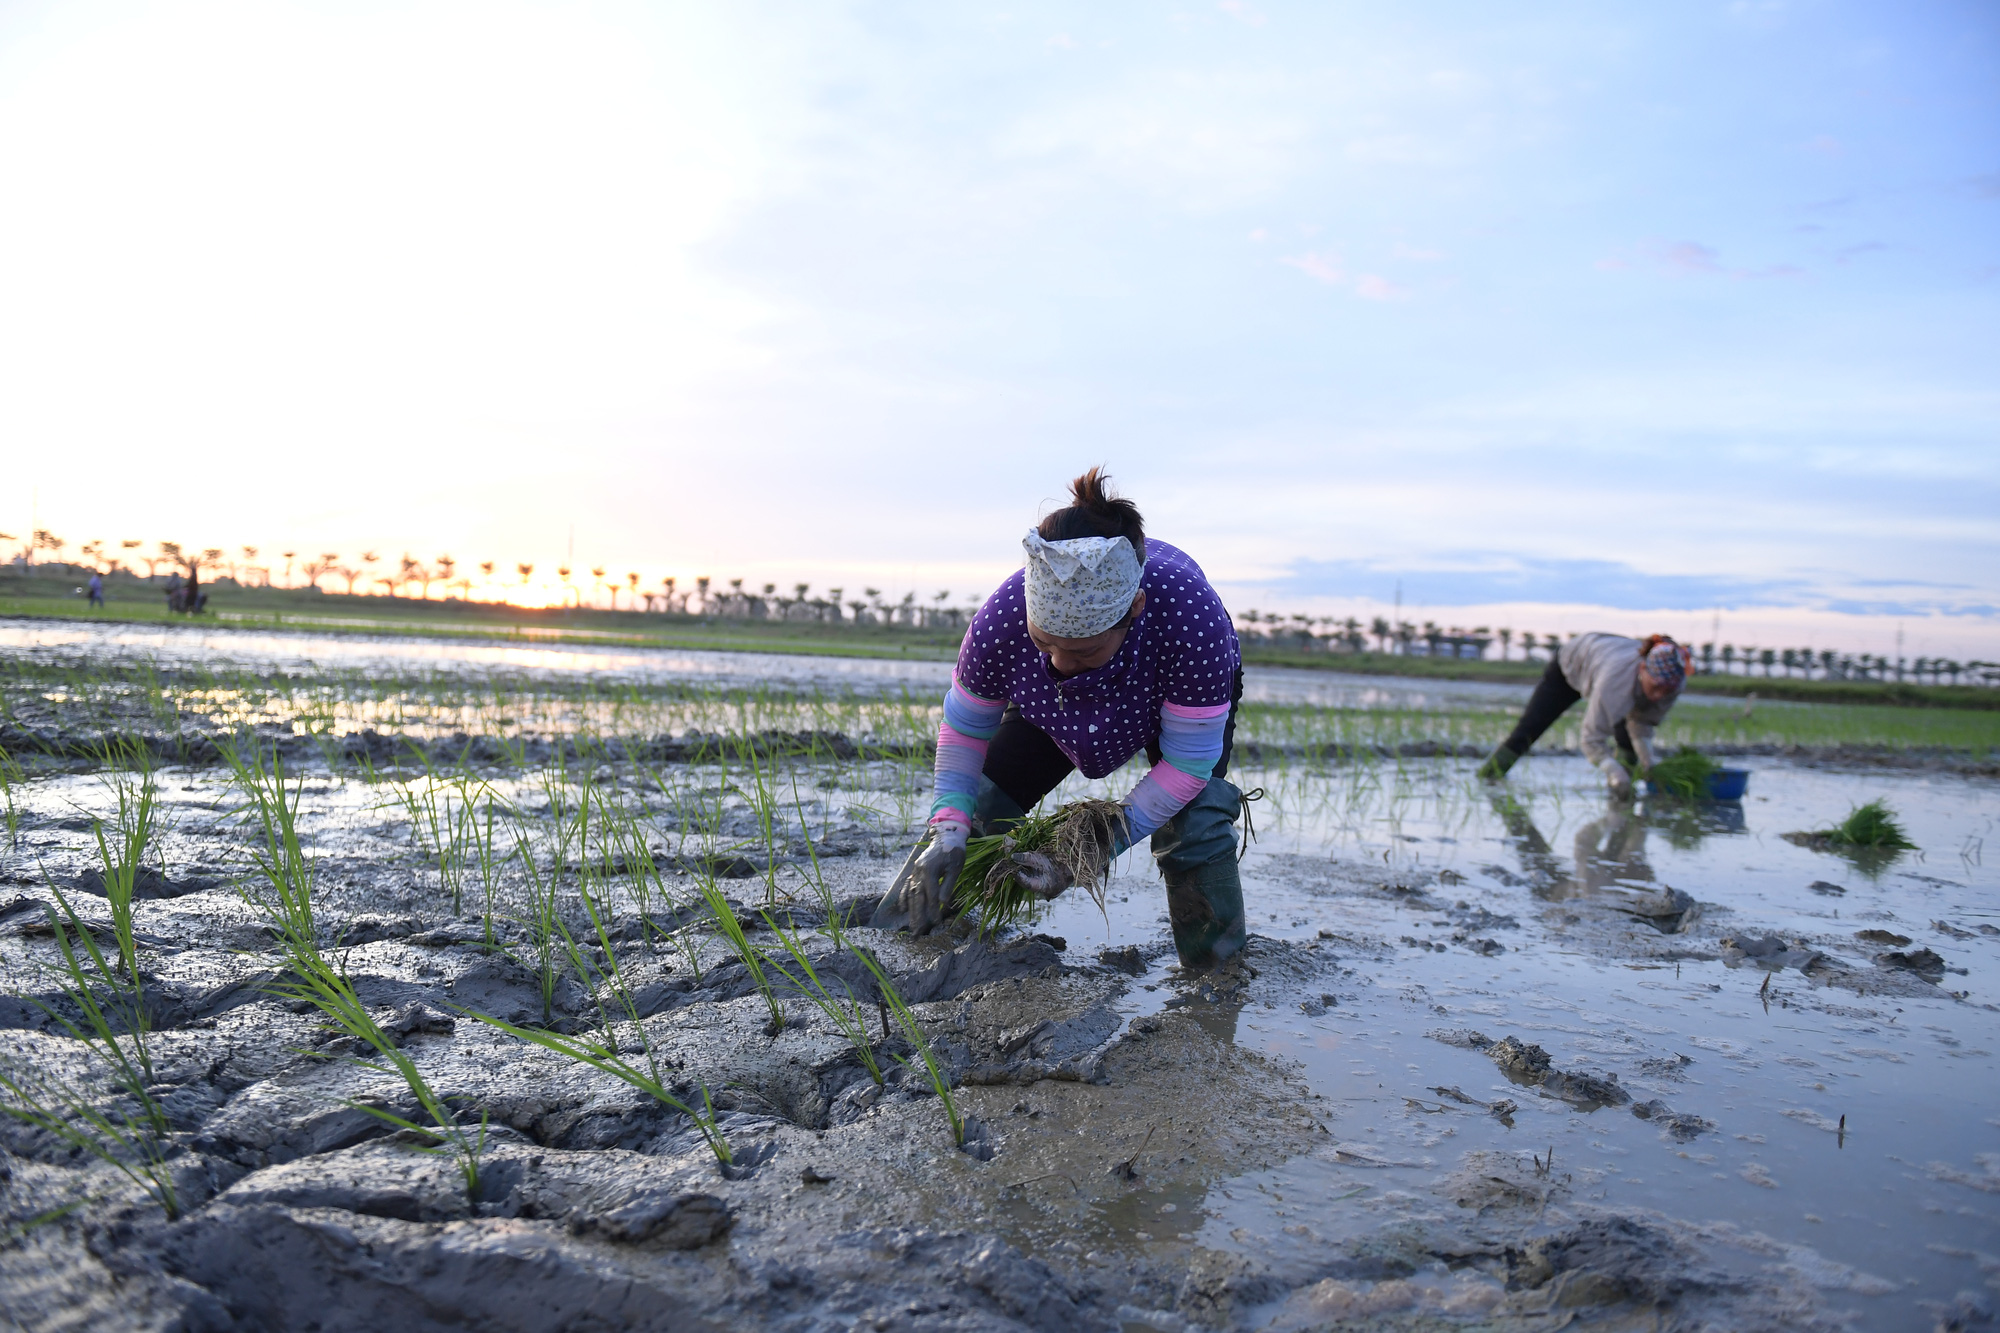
x=1870 y=825
x=1004 y=876
x=1684 y=773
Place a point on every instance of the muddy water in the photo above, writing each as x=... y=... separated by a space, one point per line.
x=1901 y=1207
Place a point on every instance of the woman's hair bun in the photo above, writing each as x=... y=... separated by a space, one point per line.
x=1094 y=511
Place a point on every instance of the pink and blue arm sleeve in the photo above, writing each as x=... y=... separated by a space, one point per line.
x=969 y=723
x=1190 y=747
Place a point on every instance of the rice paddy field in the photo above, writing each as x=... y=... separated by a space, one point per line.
x=377 y=983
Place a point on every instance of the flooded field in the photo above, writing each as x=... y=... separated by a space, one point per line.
x=592 y=928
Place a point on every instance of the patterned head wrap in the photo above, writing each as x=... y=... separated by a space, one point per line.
x=1080 y=587
x=1666 y=663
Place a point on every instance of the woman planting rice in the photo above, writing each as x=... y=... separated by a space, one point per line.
x=1103 y=645
x=1629 y=684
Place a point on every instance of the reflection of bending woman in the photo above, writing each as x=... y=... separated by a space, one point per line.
x=1629 y=684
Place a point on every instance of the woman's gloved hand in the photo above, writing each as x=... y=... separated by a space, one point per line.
x=1618 y=780
x=925 y=888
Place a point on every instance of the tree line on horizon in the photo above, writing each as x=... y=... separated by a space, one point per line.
x=414 y=578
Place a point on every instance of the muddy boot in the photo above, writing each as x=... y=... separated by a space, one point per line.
x=993 y=810
x=1497 y=764
x=1196 y=852
x=1205 y=907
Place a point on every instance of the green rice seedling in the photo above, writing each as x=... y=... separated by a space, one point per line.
x=764 y=806
x=85 y=969
x=1684 y=773
x=313 y=980
x=913 y=1033
x=121 y=863
x=12 y=776
x=646 y=1080
x=1872 y=825
x=489 y=865
x=842 y=1009
x=285 y=900
x=543 y=920
x=286 y=870
x=136 y=1148
x=1074 y=838
x=441 y=826
x=731 y=929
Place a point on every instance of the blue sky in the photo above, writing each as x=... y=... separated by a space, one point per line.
x=1589 y=308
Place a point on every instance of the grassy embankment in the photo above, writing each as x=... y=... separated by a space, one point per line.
x=230 y=607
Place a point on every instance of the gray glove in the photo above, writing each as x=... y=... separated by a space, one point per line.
x=923 y=890
x=1040 y=875
x=1618 y=780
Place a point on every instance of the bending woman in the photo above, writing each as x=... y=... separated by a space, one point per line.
x=1104 y=645
x=1630 y=685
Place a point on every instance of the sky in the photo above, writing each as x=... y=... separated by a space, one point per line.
x=1564 y=316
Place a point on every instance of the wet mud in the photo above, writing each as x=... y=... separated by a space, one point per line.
x=1490 y=1061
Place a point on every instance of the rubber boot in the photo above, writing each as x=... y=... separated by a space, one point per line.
x=1497 y=764
x=1205 y=909
x=1196 y=852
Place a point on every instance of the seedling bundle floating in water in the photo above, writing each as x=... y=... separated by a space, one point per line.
x=1871 y=836
x=1007 y=876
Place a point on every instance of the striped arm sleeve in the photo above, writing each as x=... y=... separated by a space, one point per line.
x=969 y=723
x=1190 y=746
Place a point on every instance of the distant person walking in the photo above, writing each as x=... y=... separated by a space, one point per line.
x=96 y=589
x=1630 y=684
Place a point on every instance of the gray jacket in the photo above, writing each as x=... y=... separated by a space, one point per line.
x=1604 y=669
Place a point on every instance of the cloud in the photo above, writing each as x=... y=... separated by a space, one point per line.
x=1479 y=578
x=1690 y=257
x=1694 y=259
x=1242 y=13
x=1851 y=252
x=1375 y=287
x=1323 y=266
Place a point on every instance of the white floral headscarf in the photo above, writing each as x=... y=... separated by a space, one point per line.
x=1080 y=587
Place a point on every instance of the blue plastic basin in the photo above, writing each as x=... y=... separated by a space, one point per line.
x=1725 y=784
x=1728 y=784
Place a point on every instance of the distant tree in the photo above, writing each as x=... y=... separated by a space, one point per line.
x=44 y=540
x=369 y=558
x=667 y=598
x=249 y=554
x=1506 y=637
x=1379 y=629
x=408 y=571
x=289 y=555
x=445 y=566
x=632 y=579
x=701 y=591
x=351 y=574
x=597 y=584
x=833 y=597
x=1767 y=658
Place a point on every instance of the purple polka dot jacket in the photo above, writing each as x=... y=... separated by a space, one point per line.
x=1169 y=683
